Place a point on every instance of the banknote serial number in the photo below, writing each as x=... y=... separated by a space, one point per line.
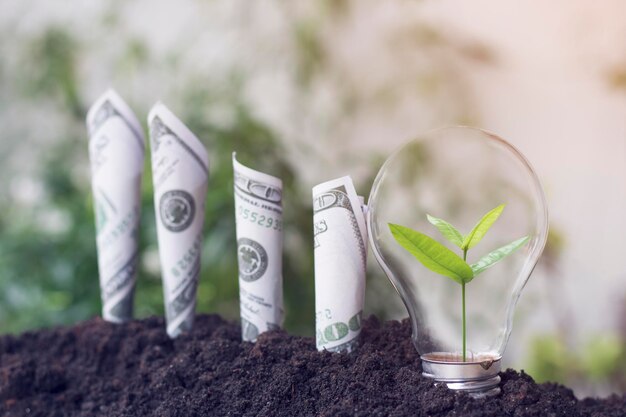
x=252 y=216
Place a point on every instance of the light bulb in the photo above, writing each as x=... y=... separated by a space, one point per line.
x=459 y=174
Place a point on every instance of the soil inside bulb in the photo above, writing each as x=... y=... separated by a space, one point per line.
x=484 y=359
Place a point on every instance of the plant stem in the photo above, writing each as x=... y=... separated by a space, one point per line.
x=463 y=306
x=464 y=329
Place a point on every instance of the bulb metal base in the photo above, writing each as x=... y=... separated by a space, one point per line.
x=478 y=377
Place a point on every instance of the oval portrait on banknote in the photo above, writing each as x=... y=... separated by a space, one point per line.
x=252 y=259
x=177 y=210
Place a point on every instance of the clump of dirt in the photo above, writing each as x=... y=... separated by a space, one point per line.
x=101 y=369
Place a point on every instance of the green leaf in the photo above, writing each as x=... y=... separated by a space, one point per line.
x=432 y=254
x=447 y=230
x=497 y=255
x=481 y=228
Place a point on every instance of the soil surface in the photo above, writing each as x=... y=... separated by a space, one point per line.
x=101 y=369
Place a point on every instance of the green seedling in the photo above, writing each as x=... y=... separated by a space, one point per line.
x=438 y=258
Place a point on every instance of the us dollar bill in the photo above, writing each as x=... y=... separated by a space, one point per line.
x=259 y=219
x=340 y=248
x=116 y=153
x=180 y=172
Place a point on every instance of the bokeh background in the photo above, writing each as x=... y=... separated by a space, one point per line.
x=309 y=91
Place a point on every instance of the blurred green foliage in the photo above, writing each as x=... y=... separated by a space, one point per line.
x=556 y=357
x=39 y=263
x=55 y=53
x=602 y=359
x=48 y=255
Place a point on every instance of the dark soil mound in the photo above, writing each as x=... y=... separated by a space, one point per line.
x=101 y=369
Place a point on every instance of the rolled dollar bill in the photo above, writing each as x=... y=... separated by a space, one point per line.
x=180 y=171
x=116 y=153
x=340 y=248
x=259 y=218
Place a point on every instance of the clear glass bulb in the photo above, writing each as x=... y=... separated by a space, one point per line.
x=459 y=174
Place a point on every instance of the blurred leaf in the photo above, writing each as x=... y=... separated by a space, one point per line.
x=617 y=78
x=603 y=356
x=478 y=52
x=550 y=359
x=135 y=54
x=555 y=244
x=310 y=50
x=52 y=60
